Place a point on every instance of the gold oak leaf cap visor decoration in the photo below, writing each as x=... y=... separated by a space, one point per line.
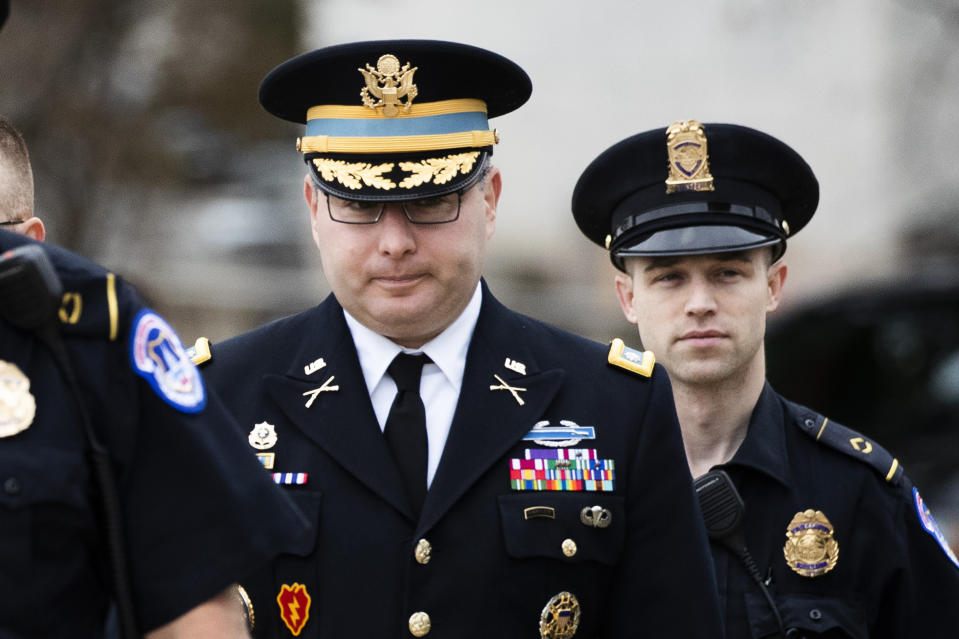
x=692 y=189
x=395 y=119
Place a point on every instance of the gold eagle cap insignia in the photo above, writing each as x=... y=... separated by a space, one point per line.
x=388 y=84
x=811 y=550
x=688 y=158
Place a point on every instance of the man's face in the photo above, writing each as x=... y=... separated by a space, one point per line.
x=703 y=316
x=403 y=280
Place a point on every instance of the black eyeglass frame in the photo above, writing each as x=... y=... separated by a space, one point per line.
x=403 y=203
x=12 y=222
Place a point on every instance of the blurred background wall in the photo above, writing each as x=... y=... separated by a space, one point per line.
x=153 y=156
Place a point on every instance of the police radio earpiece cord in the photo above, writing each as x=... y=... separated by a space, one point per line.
x=722 y=509
x=31 y=292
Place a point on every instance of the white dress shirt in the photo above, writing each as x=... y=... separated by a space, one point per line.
x=441 y=381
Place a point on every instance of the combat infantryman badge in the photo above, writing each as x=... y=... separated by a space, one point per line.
x=811 y=550
x=294 y=602
x=17 y=405
x=688 y=158
x=560 y=618
x=390 y=84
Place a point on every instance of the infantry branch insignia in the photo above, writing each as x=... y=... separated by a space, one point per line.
x=389 y=84
x=811 y=550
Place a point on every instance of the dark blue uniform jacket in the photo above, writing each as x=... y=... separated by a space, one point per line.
x=197 y=512
x=497 y=554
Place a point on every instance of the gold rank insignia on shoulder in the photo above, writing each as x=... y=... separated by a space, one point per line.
x=639 y=362
x=200 y=351
x=688 y=158
x=389 y=84
x=560 y=617
x=17 y=404
x=811 y=550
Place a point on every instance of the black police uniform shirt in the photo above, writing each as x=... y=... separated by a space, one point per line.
x=195 y=515
x=884 y=571
x=484 y=559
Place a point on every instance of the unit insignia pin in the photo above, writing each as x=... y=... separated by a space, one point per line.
x=811 y=550
x=268 y=460
x=560 y=617
x=294 y=602
x=389 y=83
x=316 y=391
x=515 y=390
x=263 y=436
x=688 y=158
x=17 y=404
x=314 y=366
x=513 y=365
x=640 y=362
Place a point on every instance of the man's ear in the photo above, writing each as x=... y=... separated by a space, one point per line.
x=34 y=228
x=775 y=280
x=624 y=292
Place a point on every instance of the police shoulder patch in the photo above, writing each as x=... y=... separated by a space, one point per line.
x=158 y=356
x=930 y=526
x=200 y=353
x=853 y=444
x=639 y=362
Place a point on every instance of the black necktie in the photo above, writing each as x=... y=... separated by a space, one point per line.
x=405 y=429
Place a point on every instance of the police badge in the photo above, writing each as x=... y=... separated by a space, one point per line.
x=688 y=158
x=17 y=405
x=810 y=550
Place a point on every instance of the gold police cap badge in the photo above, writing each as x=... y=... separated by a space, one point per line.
x=811 y=550
x=17 y=405
x=688 y=158
x=560 y=618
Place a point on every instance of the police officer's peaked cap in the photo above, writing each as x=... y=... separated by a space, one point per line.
x=395 y=119
x=692 y=189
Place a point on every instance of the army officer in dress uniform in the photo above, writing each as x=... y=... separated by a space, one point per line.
x=817 y=531
x=191 y=517
x=470 y=472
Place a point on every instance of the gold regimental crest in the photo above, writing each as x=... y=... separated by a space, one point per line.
x=389 y=84
x=639 y=362
x=688 y=158
x=439 y=170
x=811 y=550
x=560 y=618
x=17 y=405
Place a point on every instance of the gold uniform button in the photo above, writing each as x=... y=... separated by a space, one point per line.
x=569 y=547
x=423 y=551
x=419 y=624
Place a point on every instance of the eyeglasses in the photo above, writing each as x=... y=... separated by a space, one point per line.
x=12 y=222
x=430 y=210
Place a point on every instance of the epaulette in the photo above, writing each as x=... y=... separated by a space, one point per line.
x=854 y=444
x=639 y=362
x=200 y=353
x=90 y=306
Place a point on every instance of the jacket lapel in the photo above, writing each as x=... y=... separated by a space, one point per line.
x=339 y=419
x=488 y=422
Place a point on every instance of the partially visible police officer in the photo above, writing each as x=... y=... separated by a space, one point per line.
x=470 y=472
x=194 y=513
x=816 y=530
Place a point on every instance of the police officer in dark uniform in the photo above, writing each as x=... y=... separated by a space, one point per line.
x=109 y=376
x=817 y=531
x=470 y=472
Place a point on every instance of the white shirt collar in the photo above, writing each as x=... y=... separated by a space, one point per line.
x=447 y=350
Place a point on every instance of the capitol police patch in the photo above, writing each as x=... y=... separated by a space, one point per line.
x=931 y=527
x=158 y=356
